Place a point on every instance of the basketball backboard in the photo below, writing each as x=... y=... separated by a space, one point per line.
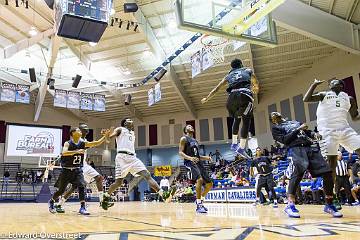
x=241 y=20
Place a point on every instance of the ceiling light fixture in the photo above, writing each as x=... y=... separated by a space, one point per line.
x=33 y=31
x=93 y=44
x=112 y=12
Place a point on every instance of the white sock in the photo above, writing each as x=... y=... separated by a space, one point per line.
x=198 y=201
x=258 y=199
x=242 y=143
x=202 y=199
x=357 y=200
x=62 y=201
x=101 y=196
x=275 y=200
x=234 y=139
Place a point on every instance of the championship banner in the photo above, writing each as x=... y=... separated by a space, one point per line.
x=23 y=140
x=161 y=171
x=231 y=195
x=86 y=102
x=99 y=103
x=206 y=60
x=195 y=64
x=73 y=100
x=151 y=97
x=8 y=92
x=22 y=93
x=157 y=92
x=60 y=98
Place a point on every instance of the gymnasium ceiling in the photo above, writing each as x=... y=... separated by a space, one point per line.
x=140 y=53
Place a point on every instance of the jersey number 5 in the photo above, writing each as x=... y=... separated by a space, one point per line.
x=337 y=103
x=77 y=160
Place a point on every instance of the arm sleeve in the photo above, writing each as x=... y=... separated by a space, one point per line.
x=280 y=135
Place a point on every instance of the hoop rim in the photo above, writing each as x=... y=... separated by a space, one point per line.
x=207 y=45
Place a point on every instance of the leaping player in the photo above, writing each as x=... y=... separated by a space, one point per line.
x=241 y=83
x=189 y=151
x=72 y=158
x=89 y=172
x=332 y=112
x=126 y=161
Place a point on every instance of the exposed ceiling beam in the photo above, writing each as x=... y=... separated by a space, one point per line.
x=331 y=6
x=160 y=54
x=54 y=49
x=351 y=9
x=299 y=17
x=26 y=43
x=117 y=94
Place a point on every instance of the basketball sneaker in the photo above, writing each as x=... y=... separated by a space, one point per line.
x=106 y=202
x=202 y=203
x=331 y=209
x=52 y=208
x=59 y=209
x=275 y=205
x=200 y=208
x=337 y=204
x=291 y=211
x=356 y=203
x=240 y=151
x=83 y=211
x=256 y=203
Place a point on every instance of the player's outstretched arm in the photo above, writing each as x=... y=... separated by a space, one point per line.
x=116 y=132
x=354 y=113
x=100 y=141
x=214 y=91
x=310 y=96
x=66 y=152
x=181 y=151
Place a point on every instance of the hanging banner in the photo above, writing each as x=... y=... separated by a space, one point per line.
x=73 y=100
x=8 y=92
x=86 y=102
x=99 y=103
x=60 y=98
x=260 y=27
x=196 y=64
x=157 y=92
x=161 y=171
x=22 y=93
x=206 y=60
x=151 y=97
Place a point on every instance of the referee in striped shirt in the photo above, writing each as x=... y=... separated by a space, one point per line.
x=342 y=178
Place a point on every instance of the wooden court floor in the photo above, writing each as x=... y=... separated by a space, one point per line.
x=136 y=220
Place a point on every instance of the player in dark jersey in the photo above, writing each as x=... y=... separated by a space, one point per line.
x=241 y=84
x=72 y=158
x=189 y=151
x=265 y=178
x=304 y=155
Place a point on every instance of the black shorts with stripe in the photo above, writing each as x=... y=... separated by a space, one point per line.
x=266 y=182
x=196 y=171
x=240 y=104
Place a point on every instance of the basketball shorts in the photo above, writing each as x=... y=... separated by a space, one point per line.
x=196 y=171
x=125 y=163
x=307 y=158
x=239 y=105
x=332 y=138
x=89 y=173
x=266 y=181
x=74 y=177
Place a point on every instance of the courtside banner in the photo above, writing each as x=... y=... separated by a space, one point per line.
x=33 y=141
x=161 y=171
x=231 y=195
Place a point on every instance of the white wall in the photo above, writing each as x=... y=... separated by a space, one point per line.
x=340 y=65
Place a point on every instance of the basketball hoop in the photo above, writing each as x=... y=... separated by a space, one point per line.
x=215 y=46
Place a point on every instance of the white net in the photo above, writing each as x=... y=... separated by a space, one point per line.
x=215 y=47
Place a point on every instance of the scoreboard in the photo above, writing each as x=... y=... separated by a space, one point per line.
x=95 y=9
x=84 y=20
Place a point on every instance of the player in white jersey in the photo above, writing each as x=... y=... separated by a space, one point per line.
x=90 y=174
x=126 y=161
x=332 y=113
